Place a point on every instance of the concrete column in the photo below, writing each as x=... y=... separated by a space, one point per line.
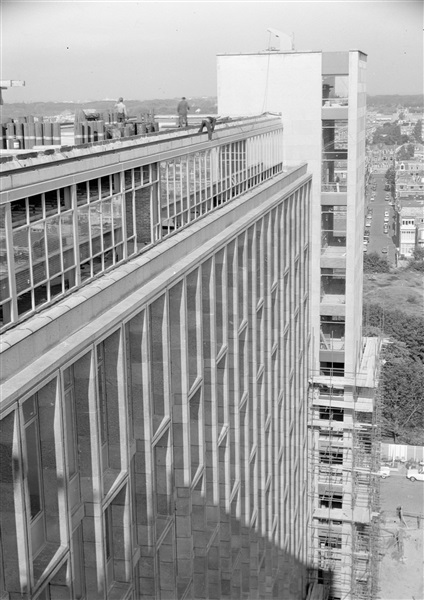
x=48 y=133
x=56 y=134
x=38 y=134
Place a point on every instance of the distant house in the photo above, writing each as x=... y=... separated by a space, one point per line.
x=411 y=226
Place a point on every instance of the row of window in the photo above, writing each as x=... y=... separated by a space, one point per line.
x=54 y=241
x=194 y=402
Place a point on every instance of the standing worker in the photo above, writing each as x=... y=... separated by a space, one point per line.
x=182 y=110
x=121 y=111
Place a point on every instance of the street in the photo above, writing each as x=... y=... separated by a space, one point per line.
x=378 y=239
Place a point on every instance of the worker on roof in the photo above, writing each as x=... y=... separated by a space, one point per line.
x=208 y=123
x=182 y=110
x=121 y=111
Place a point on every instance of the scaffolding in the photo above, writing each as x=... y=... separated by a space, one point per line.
x=344 y=417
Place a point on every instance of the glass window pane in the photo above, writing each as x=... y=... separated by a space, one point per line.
x=53 y=246
x=29 y=409
x=24 y=303
x=40 y=295
x=129 y=214
x=65 y=199
x=21 y=256
x=93 y=186
x=82 y=195
x=96 y=228
x=70 y=430
x=38 y=252
x=19 y=212
x=117 y=218
x=33 y=474
x=107 y=223
x=50 y=200
x=67 y=233
x=105 y=186
x=128 y=179
x=146 y=174
x=335 y=90
x=4 y=279
x=83 y=227
x=35 y=208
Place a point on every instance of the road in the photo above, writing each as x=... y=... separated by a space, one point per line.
x=401 y=567
x=378 y=239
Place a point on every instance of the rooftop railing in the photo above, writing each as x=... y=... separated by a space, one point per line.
x=54 y=241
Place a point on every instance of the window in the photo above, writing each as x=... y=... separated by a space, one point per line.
x=159 y=360
x=330 y=457
x=332 y=334
x=196 y=431
x=332 y=369
x=331 y=414
x=334 y=155
x=70 y=423
x=333 y=226
x=333 y=283
x=335 y=90
x=43 y=248
x=41 y=432
x=331 y=500
x=163 y=482
x=108 y=389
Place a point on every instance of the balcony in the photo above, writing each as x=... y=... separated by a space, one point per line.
x=333 y=287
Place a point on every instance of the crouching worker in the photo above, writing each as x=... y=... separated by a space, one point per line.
x=208 y=123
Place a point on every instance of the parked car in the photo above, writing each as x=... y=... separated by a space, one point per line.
x=386 y=228
x=415 y=474
x=384 y=472
x=384 y=250
x=386 y=219
x=386 y=213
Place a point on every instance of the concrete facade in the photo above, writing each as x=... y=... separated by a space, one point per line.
x=154 y=408
x=321 y=100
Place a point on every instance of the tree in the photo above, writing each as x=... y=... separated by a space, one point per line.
x=388 y=134
x=418 y=131
x=417 y=261
x=374 y=263
x=402 y=389
x=390 y=174
x=405 y=152
x=396 y=325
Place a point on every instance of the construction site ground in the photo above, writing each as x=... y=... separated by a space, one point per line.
x=402 y=558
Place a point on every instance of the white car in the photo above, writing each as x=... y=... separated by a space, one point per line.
x=386 y=213
x=384 y=472
x=415 y=474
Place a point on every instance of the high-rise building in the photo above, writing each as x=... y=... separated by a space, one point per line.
x=321 y=98
x=156 y=333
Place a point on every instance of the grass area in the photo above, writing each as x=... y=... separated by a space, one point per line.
x=401 y=288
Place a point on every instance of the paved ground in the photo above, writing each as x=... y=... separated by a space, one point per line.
x=402 y=565
x=379 y=239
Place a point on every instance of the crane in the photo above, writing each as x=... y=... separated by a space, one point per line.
x=7 y=83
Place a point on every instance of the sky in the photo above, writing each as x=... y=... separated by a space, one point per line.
x=95 y=50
